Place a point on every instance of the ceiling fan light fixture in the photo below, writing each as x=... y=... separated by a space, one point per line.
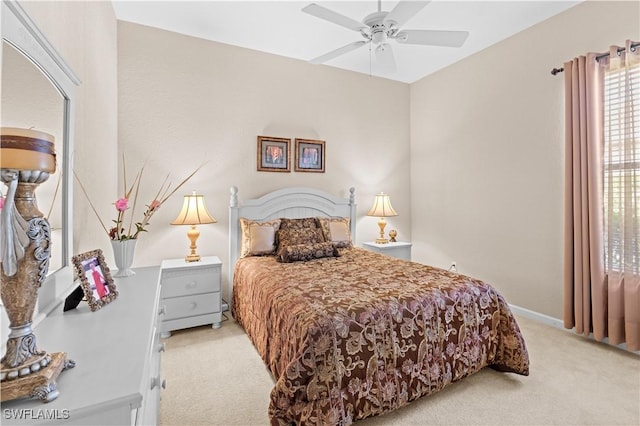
x=379 y=37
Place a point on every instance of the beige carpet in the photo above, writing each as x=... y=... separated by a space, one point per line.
x=215 y=377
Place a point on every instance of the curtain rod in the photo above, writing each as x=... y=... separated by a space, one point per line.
x=604 y=55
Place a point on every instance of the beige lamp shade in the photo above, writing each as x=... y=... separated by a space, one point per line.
x=193 y=213
x=382 y=208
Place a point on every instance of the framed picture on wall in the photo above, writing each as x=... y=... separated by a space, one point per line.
x=310 y=155
x=273 y=154
x=95 y=279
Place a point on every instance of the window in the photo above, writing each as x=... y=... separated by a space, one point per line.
x=622 y=169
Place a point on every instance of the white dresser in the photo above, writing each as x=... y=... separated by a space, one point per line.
x=191 y=293
x=117 y=378
x=401 y=250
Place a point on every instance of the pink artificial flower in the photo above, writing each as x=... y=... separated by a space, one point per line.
x=122 y=204
x=1 y=202
x=155 y=205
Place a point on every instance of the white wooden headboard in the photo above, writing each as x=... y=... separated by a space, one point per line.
x=295 y=202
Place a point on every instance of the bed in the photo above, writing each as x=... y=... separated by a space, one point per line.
x=348 y=333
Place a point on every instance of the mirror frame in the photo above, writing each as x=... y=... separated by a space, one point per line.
x=21 y=32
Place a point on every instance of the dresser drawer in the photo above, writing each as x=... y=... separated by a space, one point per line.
x=188 y=306
x=182 y=282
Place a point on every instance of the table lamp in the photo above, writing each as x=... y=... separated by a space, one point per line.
x=193 y=213
x=382 y=208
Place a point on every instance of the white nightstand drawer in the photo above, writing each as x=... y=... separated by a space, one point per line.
x=188 y=306
x=182 y=282
x=191 y=293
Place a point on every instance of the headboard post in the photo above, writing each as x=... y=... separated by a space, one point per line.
x=352 y=215
x=234 y=231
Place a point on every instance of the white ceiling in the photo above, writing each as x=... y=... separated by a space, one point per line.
x=281 y=28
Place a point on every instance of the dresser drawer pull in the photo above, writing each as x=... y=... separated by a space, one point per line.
x=162 y=310
x=192 y=284
x=162 y=347
x=193 y=305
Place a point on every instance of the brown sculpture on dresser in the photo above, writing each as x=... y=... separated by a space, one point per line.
x=27 y=158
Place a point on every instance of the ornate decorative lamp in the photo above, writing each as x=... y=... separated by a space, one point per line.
x=382 y=208
x=193 y=213
x=27 y=158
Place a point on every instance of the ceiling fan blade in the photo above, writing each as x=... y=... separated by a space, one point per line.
x=433 y=37
x=331 y=16
x=335 y=53
x=385 y=59
x=404 y=11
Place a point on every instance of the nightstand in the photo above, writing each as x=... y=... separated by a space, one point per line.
x=191 y=293
x=398 y=249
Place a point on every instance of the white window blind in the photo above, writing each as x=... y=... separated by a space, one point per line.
x=622 y=169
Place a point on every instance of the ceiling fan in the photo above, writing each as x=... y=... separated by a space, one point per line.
x=379 y=27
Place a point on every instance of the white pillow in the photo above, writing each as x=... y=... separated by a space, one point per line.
x=258 y=238
x=336 y=230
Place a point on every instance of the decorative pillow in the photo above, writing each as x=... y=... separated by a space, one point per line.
x=298 y=252
x=290 y=237
x=258 y=238
x=306 y=222
x=336 y=230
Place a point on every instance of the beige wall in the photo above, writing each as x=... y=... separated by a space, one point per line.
x=85 y=35
x=184 y=100
x=487 y=153
x=483 y=138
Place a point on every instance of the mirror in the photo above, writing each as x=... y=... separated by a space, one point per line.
x=31 y=64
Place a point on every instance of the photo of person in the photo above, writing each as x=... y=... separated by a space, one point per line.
x=273 y=154
x=310 y=156
x=96 y=279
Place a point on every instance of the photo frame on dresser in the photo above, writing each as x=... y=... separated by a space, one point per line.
x=274 y=154
x=310 y=155
x=95 y=278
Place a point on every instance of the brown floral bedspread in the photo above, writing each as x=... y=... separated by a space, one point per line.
x=362 y=334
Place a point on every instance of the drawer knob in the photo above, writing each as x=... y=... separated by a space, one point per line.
x=192 y=284
x=162 y=310
x=193 y=305
x=155 y=382
x=162 y=347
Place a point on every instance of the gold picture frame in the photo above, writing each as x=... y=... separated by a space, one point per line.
x=95 y=278
x=310 y=155
x=274 y=154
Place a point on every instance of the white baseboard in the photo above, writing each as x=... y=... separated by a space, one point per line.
x=557 y=323
x=546 y=319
